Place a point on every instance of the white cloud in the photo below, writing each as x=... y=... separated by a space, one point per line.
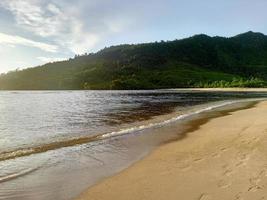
x=81 y=42
x=13 y=40
x=117 y=25
x=75 y=26
x=43 y=20
x=50 y=21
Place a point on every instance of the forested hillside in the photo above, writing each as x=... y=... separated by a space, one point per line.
x=198 y=61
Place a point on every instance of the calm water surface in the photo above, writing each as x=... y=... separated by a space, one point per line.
x=53 y=145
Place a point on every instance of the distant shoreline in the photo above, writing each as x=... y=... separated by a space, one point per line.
x=226 y=152
x=166 y=89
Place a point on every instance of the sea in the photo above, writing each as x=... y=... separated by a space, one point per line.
x=56 y=144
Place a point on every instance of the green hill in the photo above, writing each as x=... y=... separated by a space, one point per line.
x=198 y=61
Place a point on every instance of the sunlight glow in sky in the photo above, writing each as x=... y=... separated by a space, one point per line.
x=34 y=32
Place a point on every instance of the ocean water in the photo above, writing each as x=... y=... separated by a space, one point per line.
x=54 y=144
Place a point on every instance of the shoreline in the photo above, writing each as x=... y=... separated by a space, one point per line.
x=233 y=89
x=213 y=161
x=219 y=89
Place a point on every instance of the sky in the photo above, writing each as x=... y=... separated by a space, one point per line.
x=34 y=32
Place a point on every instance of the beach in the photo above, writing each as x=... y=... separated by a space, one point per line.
x=224 y=158
x=74 y=140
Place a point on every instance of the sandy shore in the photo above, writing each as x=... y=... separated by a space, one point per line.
x=221 y=89
x=225 y=159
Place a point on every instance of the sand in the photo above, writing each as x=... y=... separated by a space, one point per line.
x=226 y=158
x=221 y=89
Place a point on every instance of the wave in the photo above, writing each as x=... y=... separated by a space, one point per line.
x=17 y=174
x=83 y=140
x=160 y=124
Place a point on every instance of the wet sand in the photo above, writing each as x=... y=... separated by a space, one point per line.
x=224 y=158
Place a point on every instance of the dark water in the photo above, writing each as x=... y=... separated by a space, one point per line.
x=53 y=145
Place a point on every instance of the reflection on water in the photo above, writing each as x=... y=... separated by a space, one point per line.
x=35 y=126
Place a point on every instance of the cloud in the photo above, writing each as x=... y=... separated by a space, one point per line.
x=43 y=20
x=76 y=26
x=13 y=40
x=59 y=24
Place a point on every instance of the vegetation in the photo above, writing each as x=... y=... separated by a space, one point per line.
x=198 y=61
x=236 y=82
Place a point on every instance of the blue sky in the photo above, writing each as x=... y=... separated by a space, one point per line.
x=34 y=32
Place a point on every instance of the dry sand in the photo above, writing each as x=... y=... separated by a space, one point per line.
x=225 y=159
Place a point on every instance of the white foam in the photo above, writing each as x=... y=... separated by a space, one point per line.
x=174 y=119
x=134 y=129
x=18 y=174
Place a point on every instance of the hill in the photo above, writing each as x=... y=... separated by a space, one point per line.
x=198 y=61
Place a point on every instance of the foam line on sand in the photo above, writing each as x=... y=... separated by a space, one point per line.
x=223 y=159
